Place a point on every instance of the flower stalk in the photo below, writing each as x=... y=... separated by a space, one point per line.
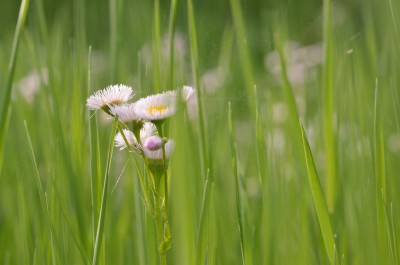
x=147 y=139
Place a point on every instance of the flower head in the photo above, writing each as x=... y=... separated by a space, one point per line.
x=130 y=138
x=187 y=92
x=156 y=107
x=111 y=95
x=148 y=130
x=125 y=113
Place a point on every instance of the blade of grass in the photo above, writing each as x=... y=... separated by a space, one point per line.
x=100 y=223
x=245 y=245
x=319 y=202
x=330 y=141
x=6 y=107
x=42 y=195
x=201 y=232
x=196 y=81
x=171 y=30
x=380 y=176
x=244 y=56
x=157 y=46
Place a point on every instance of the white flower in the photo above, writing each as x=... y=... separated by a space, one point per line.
x=131 y=139
x=148 y=130
x=125 y=113
x=187 y=92
x=156 y=107
x=157 y=155
x=111 y=95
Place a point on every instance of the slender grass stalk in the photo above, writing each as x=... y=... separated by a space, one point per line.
x=171 y=30
x=42 y=196
x=320 y=203
x=380 y=175
x=113 y=38
x=166 y=244
x=157 y=47
x=196 y=81
x=244 y=242
x=141 y=178
x=201 y=232
x=330 y=138
x=101 y=220
x=244 y=56
x=6 y=106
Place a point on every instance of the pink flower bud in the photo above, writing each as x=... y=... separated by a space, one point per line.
x=153 y=143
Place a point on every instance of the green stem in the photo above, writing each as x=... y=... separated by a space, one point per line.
x=141 y=179
x=159 y=219
x=160 y=132
x=100 y=227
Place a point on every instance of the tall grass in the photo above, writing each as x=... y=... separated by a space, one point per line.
x=247 y=184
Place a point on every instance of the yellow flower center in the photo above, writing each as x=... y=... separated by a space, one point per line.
x=157 y=109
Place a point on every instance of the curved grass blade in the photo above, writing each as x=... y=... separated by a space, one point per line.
x=319 y=202
x=100 y=223
x=6 y=108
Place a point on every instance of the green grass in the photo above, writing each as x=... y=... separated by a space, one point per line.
x=247 y=184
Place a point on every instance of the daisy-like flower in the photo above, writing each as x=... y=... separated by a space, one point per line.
x=130 y=138
x=125 y=113
x=148 y=130
x=111 y=95
x=156 y=107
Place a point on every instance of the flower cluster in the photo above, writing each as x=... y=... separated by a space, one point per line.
x=142 y=133
x=144 y=117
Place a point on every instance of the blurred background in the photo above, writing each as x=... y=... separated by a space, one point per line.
x=71 y=48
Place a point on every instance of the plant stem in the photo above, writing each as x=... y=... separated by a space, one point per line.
x=159 y=219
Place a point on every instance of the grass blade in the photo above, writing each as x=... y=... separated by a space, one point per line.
x=100 y=223
x=42 y=195
x=6 y=108
x=201 y=234
x=195 y=74
x=380 y=176
x=319 y=202
x=330 y=141
x=245 y=245
x=244 y=55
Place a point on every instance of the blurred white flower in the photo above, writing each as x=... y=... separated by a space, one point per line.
x=30 y=84
x=213 y=79
x=180 y=49
x=125 y=113
x=156 y=107
x=180 y=46
x=300 y=61
x=280 y=112
x=111 y=95
x=187 y=92
x=394 y=143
